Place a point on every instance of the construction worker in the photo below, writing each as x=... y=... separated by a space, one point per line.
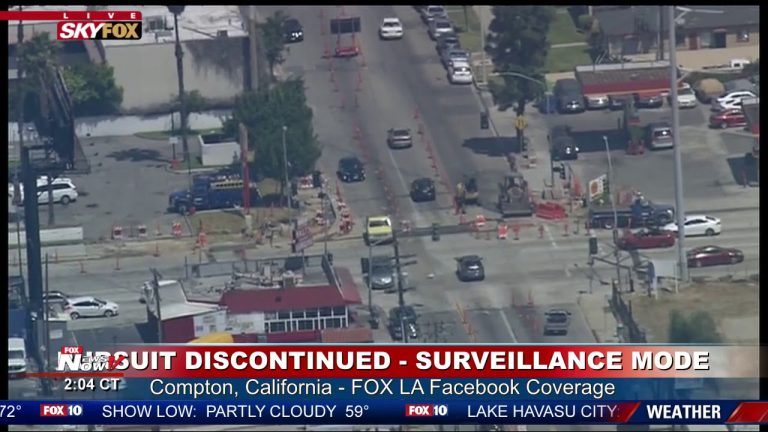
x=460 y=196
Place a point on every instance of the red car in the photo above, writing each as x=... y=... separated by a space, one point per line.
x=713 y=255
x=647 y=239
x=727 y=118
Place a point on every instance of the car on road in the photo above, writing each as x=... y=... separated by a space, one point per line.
x=646 y=238
x=292 y=31
x=658 y=136
x=648 y=100
x=80 y=307
x=470 y=268
x=351 y=169
x=438 y=27
x=596 y=102
x=557 y=322
x=17 y=357
x=403 y=316
x=569 y=95
x=562 y=144
x=705 y=256
x=616 y=103
x=423 y=189
x=430 y=13
x=378 y=230
x=698 y=225
x=382 y=273
x=399 y=138
x=391 y=28
x=455 y=55
x=727 y=118
x=63 y=189
x=447 y=42
x=55 y=297
x=460 y=73
x=731 y=100
x=686 y=98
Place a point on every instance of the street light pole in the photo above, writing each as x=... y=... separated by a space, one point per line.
x=179 y=53
x=613 y=209
x=481 y=15
x=682 y=261
x=285 y=170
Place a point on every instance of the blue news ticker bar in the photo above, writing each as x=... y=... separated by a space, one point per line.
x=357 y=411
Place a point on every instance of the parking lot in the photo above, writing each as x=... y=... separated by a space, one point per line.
x=128 y=186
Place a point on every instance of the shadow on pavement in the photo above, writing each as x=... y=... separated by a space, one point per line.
x=137 y=155
x=492 y=146
x=592 y=141
x=742 y=171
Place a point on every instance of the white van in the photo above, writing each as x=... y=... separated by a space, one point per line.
x=17 y=357
x=64 y=191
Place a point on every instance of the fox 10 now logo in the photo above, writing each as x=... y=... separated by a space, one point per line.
x=103 y=30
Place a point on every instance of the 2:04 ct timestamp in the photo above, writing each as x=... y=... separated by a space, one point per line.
x=92 y=384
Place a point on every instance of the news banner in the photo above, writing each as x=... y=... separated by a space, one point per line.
x=396 y=384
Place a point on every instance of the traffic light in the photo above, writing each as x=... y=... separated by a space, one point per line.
x=435 y=232
x=593 y=245
x=562 y=172
x=484 y=123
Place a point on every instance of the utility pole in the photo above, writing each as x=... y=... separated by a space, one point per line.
x=156 y=293
x=49 y=190
x=660 y=35
x=615 y=214
x=21 y=96
x=400 y=289
x=287 y=187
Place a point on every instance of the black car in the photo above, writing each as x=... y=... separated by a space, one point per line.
x=470 y=268
x=562 y=146
x=403 y=316
x=447 y=42
x=571 y=104
x=648 y=100
x=423 y=189
x=292 y=30
x=351 y=170
x=616 y=103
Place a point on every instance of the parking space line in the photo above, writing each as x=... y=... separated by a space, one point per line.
x=505 y=320
x=550 y=237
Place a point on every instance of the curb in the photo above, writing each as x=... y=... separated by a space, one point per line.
x=167 y=168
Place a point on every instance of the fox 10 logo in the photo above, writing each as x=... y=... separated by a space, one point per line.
x=104 y=30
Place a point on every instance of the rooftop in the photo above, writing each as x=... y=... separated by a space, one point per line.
x=619 y=21
x=174 y=303
x=624 y=78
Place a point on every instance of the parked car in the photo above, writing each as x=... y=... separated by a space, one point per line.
x=562 y=146
x=470 y=268
x=698 y=225
x=731 y=100
x=447 y=42
x=438 y=27
x=55 y=297
x=351 y=169
x=648 y=100
x=686 y=98
x=90 y=307
x=64 y=191
x=646 y=238
x=616 y=103
x=596 y=102
x=292 y=30
x=403 y=316
x=454 y=55
x=399 y=138
x=705 y=256
x=431 y=13
x=460 y=73
x=391 y=28
x=423 y=189
x=727 y=118
x=570 y=98
x=658 y=136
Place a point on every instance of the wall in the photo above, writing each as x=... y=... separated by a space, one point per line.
x=130 y=125
x=213 y=67
x=246 y=323
x=219 y=153
x=48 y=236
x=178 y=330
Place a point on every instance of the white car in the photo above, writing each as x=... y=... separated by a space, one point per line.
x=64 y=191
x=391 y=28
x=452 y=56
x=697 y=225
x=439 y=27
x=596 y=102
x=460 y=73
x=90 y=307
x=430 y=13
x=731 y=100
x=686 y=98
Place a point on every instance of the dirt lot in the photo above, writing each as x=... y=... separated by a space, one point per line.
x=734 y=305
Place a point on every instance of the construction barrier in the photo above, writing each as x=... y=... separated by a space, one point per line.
x=405 y=225
x=305 y=183
x=176 y=229
x=550 y=211
x=158 y=232
x=480 y=221
x=202 y=239
x=117 y=232
x=516 y=231
x=503 y=230
x=319 y=218
x=142 y=231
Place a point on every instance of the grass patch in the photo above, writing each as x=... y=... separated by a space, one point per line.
x=164 y=135
x=467 y=27
x=233 y=222
x=565 y=59
x=194 y=163
x=562 y=30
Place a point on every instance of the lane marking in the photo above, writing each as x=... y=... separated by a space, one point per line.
x=505 y=320
x=550 y=237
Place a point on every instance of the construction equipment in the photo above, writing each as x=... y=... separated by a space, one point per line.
x=467 y=193
x=514 y=199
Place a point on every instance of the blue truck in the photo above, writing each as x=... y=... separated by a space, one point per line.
x=17 y=308
x=641 y=213
x=211 y=192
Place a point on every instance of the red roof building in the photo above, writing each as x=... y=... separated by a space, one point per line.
x=624 y=78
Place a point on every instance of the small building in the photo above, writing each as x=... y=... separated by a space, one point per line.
x=217 y=149
x=630 y=30
x=182 y=320
x=624 y=78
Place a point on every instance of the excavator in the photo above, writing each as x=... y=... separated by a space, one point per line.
x=514 y=199
x=467 y=193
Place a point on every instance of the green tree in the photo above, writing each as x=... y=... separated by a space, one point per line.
x=273 y=39
x=195 y=102
x=93 y=89
x=39 y=59
x=698 y=328
x=517 y=43
x=264 y=112
x=596 y=41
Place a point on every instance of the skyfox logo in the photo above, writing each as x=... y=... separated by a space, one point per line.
x=69 y=30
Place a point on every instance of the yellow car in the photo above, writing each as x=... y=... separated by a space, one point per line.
x=378 y=230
